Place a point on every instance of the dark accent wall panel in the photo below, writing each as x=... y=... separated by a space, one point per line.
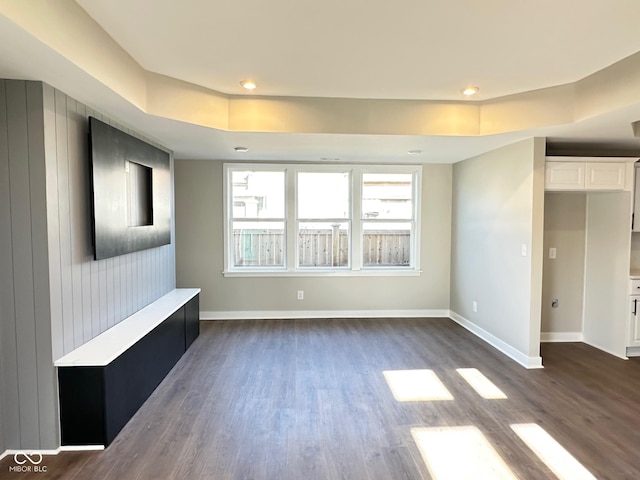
x=48 y=279
x=114 y=157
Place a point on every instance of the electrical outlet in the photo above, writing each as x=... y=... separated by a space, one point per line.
x=475 y=306
x=300 y=294
x=552 y=253
x=554 y=303
x=524 y=249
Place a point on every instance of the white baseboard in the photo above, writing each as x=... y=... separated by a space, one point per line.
x=508 y=350
x=81 y=448
x=29 y=451
x=633 y=351
x=551 y=337
x=293 y=314
x=66 y=448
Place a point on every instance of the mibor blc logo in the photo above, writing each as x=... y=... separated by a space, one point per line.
x=27 y=462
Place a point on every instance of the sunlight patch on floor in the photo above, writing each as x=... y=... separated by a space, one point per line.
x=481 y=384
x=554 y=456
x=453 y=453
x=416 y=386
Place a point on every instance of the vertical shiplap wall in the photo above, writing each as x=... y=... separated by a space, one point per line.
x=53 y=296
x=88 y=296
x=27 y=370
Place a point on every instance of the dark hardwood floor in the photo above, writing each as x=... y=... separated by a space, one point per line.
x=307 y=399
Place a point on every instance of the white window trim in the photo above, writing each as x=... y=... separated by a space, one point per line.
x=355 y=267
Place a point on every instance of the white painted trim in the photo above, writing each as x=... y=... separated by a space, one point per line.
x=310 y=272
x=293 y=314
x=29 y=451
x=633 y=351
x=81 y=448
x=64 y=448
x=551 y=337
x=495 y=342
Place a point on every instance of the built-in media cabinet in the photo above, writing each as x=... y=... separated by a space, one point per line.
x=105 y=381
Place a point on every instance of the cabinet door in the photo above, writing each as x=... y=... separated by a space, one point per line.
x=634 y=321
x=564 y=175
x=604 y=176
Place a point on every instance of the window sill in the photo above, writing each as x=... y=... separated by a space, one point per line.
x=324 y=273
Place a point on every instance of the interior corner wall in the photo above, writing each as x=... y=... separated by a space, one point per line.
x=498 y=201
x=53 y=296
x=200 y=255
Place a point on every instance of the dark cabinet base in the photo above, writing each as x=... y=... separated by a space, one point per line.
x=97 y=402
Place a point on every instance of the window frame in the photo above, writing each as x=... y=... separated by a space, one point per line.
x=356 y=223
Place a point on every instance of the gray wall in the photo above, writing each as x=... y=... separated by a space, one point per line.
x=563 y=278
x=53 y=296
x=199 y=256
x=498 y=201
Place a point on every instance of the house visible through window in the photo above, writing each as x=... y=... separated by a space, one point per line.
x=387 y=219
x=258 y=218
x=304 y=219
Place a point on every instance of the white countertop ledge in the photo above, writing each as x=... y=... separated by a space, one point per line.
x=110 y=344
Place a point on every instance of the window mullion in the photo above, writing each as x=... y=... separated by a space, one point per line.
x=291 y=221
x=356 y=219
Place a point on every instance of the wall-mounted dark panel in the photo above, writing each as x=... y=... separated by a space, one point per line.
x=115 y=156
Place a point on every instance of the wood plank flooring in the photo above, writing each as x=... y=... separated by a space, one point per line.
x=307 y=399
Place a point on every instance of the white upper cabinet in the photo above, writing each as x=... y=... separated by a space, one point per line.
x=585 y=174
x=564 y=176
x=604 y=176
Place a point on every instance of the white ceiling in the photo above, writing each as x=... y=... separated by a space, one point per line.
x=371 y=49
x=408 y=49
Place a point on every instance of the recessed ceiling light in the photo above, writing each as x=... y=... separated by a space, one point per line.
x=414 y=152
x=248 y=84
x=468 y=91
x=241 y=149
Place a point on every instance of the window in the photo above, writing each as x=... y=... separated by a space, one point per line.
x=321 y=219
x=257 y=219
x=387 y=219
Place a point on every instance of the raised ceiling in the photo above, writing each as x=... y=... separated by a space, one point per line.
x=409 y=49
x=353 y=79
